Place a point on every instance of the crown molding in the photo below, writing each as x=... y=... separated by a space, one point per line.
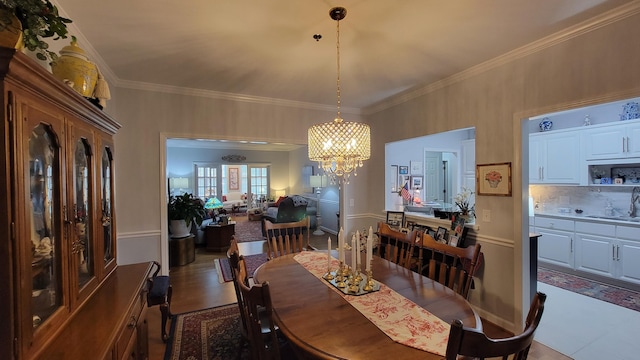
x=599 y=21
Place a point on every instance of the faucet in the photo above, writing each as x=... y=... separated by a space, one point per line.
x=635 y=196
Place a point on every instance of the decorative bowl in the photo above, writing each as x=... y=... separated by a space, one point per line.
x=630 y=111
x=545 y=124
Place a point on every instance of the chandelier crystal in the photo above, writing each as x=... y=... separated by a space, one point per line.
x=339 y=146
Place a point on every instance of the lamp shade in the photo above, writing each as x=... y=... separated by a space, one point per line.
x=280 y=193
x=213 y=203
x=318 y=181
x=338 y=146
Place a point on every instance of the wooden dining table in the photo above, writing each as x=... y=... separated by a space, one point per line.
x=321 y=324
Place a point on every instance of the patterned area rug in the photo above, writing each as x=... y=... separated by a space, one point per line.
x=207 y=334
x=249 y=231
x=611 y=294
x=252 y=261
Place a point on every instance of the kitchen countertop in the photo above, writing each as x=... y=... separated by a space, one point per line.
x=589 y=217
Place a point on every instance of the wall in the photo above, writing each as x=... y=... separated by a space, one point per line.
x=584 y=67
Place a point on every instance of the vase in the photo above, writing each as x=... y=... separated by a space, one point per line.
x=179 y=229
x=10 y=29
x=74 y=68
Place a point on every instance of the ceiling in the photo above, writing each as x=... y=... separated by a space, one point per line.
x=265 y=49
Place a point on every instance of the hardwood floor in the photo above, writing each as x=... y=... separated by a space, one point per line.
x=196 y=286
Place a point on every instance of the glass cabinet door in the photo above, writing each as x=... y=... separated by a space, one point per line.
x=106 y=192
x=82 y=235
x=43 y=174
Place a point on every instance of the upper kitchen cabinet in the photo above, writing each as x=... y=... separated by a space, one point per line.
x=554 y=157
x=612 y=141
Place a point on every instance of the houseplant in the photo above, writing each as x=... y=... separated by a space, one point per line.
x=39 y=19
x=463 y=201
x=182 y=210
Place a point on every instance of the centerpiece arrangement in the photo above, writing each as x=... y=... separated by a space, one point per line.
x=463 y=202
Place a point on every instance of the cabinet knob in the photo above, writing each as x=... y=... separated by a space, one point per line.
x=132 y=322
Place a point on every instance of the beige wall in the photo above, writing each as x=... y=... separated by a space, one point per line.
x=592 y=67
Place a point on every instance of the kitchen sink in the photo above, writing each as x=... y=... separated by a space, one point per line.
x=618 y=218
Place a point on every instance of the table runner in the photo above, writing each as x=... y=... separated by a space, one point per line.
x=398 y=317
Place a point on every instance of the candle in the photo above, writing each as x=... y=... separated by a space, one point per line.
x=353 y=251
x=329 y=254
x=340 y=246
x=369 y=249
x=358 y=257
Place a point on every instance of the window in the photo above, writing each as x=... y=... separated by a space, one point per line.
x=259 y=182
x=206 y=180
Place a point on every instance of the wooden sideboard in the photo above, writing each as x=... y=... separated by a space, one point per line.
x=62 y=294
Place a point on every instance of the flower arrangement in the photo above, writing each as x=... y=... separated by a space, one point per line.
x=462 y=201
x=494 y=178
x=39 y=19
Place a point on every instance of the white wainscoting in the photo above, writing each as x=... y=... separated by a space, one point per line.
x=139 y=246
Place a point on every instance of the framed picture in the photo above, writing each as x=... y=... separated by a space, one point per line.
x=431 y=233
x=403 y=170
x=416 y=167
x=395 y=218
x=403 y=179
x=234 y=178
x=416 y=182
x=457 y=225
x=441 y=234
x=494 y=179
x=453 y=240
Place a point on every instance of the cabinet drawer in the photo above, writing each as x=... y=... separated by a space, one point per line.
x=552 y=223
x=628 y=232
x=595 y=228
x=128 y=330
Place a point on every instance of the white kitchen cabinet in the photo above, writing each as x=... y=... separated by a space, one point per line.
x=628 y=253
x=554 y=158
x=619 y=140
x=595 y=254
x=555 y=245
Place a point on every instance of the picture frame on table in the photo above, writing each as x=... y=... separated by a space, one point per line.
x=453 y=240
x=416 y=182
x=416 y=167
x=403 y=170
x=441 y=234
x=493 y=179
x=395 y=218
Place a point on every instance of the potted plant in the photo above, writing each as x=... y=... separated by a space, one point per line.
x=39 y=19
x=182 y=210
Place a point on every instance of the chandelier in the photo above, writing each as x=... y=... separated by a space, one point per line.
x=339 y=146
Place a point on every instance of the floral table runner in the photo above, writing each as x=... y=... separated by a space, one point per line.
x=398 y=317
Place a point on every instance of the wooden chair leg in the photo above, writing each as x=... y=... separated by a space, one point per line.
x=165 y=310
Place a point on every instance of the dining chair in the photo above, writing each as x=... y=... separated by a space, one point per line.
x=287 y=238
x=475 y=344
x=159 y=292
x=396 y=246
x=258 y=311
x=233 y=255
x=449 y=265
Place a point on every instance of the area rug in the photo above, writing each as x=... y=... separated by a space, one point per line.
x=207 y=334
x=249 y=231
x=611 y=294
x=252 y=261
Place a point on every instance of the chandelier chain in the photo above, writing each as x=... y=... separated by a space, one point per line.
x=338 y=66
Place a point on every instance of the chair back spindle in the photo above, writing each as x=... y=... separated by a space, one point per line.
x=395 y=245
x=287 y=238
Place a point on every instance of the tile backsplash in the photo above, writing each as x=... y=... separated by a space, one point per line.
x=592 y=200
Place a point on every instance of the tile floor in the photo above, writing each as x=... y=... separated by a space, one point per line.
x=588 y=329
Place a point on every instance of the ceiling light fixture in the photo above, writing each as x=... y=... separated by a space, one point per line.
x=339 y=147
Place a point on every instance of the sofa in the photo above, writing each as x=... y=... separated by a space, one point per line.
x=286 y=209
x=233 y=200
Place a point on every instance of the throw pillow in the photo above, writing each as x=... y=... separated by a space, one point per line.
x=280 y=200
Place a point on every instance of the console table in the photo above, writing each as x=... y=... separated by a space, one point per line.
x=218 y=237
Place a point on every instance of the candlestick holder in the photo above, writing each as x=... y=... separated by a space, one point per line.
x=368 y=287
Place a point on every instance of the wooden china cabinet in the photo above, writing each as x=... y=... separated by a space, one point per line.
x=62 y=295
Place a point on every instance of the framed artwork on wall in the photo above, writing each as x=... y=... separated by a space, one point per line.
x=394 y=178
x=416 y=167
x=234 y=178
x=494 y=179
x=416 y=182
x=403 y=170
